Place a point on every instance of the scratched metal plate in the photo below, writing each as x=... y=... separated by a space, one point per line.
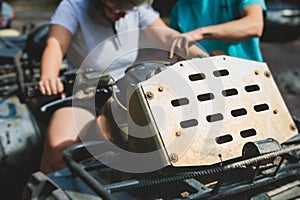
x=207 y=109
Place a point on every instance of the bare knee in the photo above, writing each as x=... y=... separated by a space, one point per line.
x=52 y=158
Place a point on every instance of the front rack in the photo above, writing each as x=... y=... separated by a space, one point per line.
x=212 y=182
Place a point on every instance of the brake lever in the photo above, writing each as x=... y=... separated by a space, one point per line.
x=53 y=103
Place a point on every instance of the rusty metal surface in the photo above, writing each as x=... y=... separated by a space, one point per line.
x=207 y=109
x=19 y=134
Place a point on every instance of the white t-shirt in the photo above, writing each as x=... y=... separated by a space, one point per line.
x=94 y=43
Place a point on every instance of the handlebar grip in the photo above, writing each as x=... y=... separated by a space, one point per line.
x=33 y=93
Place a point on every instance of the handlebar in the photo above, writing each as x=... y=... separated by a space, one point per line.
x=78 y=84
x=87 y=83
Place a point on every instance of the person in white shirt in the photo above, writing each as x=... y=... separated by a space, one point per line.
x=78 y=27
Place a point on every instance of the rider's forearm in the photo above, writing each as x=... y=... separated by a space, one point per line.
x=159 y=32
x=51 y=60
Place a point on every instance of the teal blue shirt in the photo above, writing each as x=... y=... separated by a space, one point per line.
x=188 y=15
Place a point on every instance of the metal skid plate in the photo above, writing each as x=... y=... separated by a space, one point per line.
x=206 y=109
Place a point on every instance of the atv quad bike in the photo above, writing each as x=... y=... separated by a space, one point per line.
x=209 y=128
x=205 y=128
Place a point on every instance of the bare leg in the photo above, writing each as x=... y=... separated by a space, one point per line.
x=64 y=128
x=105 y=128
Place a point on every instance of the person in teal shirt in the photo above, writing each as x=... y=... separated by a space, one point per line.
x=230 y=27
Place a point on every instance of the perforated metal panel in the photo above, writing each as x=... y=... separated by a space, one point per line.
x=206 y=109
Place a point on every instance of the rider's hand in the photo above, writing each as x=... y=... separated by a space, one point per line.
x=51 y=86
x=181 y=44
